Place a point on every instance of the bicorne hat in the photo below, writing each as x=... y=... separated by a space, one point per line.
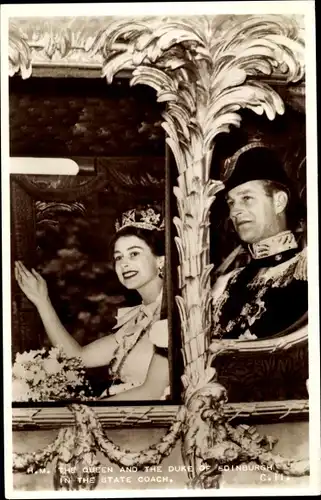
x=255 y=161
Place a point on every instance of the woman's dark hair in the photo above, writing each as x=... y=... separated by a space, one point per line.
x=154 y=239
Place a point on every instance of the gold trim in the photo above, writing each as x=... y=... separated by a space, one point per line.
x=144 y=416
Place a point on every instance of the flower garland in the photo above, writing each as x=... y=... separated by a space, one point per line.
x=77 y=447
x=206 y=438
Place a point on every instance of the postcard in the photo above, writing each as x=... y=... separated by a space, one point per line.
x=160 y=270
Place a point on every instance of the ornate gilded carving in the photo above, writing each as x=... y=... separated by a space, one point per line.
x=205 y=70
x=204 y=86
x=88 y=436
x=35 y=41
x=62 y=188
x=160 y=416
x=205 y=448
x=19 y=53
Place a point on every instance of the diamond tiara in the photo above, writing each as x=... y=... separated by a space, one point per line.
x=143 y=219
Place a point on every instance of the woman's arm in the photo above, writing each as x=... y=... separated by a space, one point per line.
x=154 y=386
x=97 y=353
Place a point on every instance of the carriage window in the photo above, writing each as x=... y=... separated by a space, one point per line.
x=260 y=254
x=65 y=229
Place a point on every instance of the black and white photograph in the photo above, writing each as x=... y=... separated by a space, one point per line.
x=160 y=249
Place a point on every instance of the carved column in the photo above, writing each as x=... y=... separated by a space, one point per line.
x=206 y=70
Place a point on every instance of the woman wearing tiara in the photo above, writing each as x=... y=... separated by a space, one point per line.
x=136 y=352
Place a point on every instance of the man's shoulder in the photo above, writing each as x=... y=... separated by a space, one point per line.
x=301 y=268
x=294 y=269
x=222 y=281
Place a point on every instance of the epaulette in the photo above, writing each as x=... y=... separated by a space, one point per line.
x=296 y=271
x=301 y=268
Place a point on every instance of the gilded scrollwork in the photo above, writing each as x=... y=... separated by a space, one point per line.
x=19 y=53
x=56 y=40
x=206 y=70
x=205 y=448
x=79 y=444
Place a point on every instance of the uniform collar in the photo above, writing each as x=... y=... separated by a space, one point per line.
x=277 y=244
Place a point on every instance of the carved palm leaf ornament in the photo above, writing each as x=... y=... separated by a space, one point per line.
x=206 y=69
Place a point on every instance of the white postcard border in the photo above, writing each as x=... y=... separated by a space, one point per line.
x=194 y=8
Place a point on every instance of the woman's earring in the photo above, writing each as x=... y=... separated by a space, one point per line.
x=161 y=272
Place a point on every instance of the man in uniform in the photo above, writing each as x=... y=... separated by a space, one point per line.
x=270 y=294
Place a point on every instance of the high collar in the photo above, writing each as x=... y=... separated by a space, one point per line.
x=276 y=244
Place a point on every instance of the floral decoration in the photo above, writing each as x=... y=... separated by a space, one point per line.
x=48 y=375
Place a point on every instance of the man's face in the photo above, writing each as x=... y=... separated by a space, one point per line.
x=253 y=212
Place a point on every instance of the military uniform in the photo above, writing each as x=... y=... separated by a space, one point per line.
x=265 y=297
x=270 y=293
